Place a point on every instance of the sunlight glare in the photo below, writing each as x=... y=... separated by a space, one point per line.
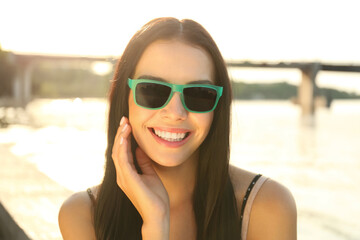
x=101 y=68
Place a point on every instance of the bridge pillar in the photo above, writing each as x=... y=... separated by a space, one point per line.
x=22 y=84
x=307 y=88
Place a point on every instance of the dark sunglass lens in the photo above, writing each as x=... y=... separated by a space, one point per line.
x=200 y=99
x=151 y=95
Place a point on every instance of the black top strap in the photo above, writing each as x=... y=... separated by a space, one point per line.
x=252 y=184
x=91 y=195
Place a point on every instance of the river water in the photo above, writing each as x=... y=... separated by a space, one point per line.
x=318 y=161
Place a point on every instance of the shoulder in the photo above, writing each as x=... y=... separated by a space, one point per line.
x=240 y=180
x=273 y=213
x=75 y=217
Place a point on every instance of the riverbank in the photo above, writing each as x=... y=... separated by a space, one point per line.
x=31 y=198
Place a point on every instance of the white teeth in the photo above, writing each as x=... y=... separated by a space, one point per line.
x=170 y=136
x=167 y=134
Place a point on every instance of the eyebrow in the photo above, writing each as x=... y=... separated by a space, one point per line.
x=150 y=77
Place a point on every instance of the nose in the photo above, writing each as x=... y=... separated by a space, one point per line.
x=174 y=110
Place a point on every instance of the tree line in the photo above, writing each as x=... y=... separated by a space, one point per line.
x=282 y=90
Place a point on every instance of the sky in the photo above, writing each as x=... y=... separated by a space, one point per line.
x=266 y=30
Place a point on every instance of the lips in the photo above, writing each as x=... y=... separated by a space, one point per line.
x=170 y=137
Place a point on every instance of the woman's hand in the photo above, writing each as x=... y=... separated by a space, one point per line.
x=145 y=191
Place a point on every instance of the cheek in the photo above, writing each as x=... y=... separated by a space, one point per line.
x=205 y=121
x=134 y=115
x=138 y=116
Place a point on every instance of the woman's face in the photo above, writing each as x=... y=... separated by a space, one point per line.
x=159 y=132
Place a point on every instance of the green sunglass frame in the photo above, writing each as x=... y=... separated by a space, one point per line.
x=175 y=88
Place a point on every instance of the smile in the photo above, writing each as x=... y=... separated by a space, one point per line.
x=172 y=138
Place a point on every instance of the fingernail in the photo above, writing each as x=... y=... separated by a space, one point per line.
x=125 y=127
x=122 y=120
x=121 y=140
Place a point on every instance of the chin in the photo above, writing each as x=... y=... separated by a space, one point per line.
x=168 y=161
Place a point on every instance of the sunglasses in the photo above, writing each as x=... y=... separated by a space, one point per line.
x=197 y=98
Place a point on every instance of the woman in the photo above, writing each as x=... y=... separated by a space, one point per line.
x=167 y=172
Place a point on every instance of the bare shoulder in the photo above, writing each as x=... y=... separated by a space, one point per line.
x=75 y=216
x=240 y=176
x=273 y=215
x=240 y=180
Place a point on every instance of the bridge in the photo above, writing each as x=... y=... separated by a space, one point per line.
x=309 y=70
x=25 y=64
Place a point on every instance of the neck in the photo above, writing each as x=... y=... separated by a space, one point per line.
x=179 y=181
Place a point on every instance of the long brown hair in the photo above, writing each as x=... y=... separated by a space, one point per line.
x=214 y=200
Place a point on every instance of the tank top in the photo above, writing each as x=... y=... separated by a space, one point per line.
x=91 y=195
x=248 y=201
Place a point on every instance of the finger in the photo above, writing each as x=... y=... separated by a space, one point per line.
x=122 y=132
x=144 y=162
x=122 y=123
x=124 y=146
x=122 y=155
